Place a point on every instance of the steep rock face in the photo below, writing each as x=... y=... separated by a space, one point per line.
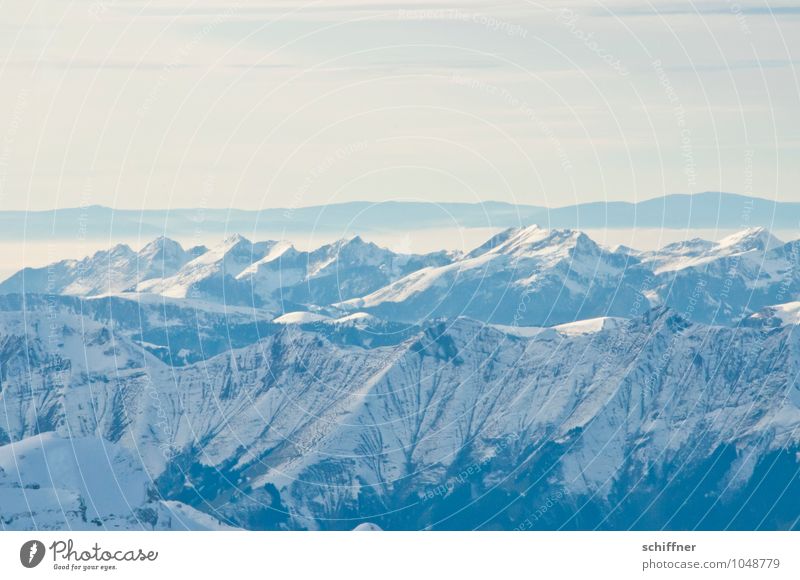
x=471 y=400
x=459 y=425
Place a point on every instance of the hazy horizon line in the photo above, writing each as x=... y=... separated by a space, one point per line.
x=399 y=201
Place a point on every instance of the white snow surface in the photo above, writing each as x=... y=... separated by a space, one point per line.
x=300 y=318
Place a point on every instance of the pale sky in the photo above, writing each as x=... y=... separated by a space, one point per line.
x=285 y=103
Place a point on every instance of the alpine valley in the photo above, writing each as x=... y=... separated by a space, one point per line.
x=539 y=381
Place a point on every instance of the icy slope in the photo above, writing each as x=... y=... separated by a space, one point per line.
x=84 y=483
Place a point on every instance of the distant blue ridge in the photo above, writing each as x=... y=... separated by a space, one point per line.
x=677 y=211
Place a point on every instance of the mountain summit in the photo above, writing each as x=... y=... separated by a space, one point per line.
x=562 y=273
x=109 y=271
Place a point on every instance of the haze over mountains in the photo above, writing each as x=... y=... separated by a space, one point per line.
x=254 y=385
x=699 y=211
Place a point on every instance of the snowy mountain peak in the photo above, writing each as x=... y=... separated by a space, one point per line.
x=355 y=244
x=355 y=240
x=235 y=249
x=693 y=247
x=162 y=248
x=551 y=246
x=758 y=238
x=493 y=282
x=160 y=243
x=524 y=237
x=502 y=238
x=532 y=240
x=120 y=250
x=159 y=258
x=701 y=253
x=279 y=250
x=237 y=243
x=235 y=239
x=348 y=252
x=211 y=275
x=108 y=271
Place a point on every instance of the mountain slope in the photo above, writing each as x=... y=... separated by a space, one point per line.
x=697 y=252
x=108 y=271
x=212 y=275
x=84 y=483
x=527 y=276
x=237 y=272
x=331 y=273
x=641 y=423
x=730 y=280
x=521 y=276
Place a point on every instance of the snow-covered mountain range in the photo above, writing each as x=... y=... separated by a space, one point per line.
x=540 y=381
x=115 y=270
x=522 y=276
